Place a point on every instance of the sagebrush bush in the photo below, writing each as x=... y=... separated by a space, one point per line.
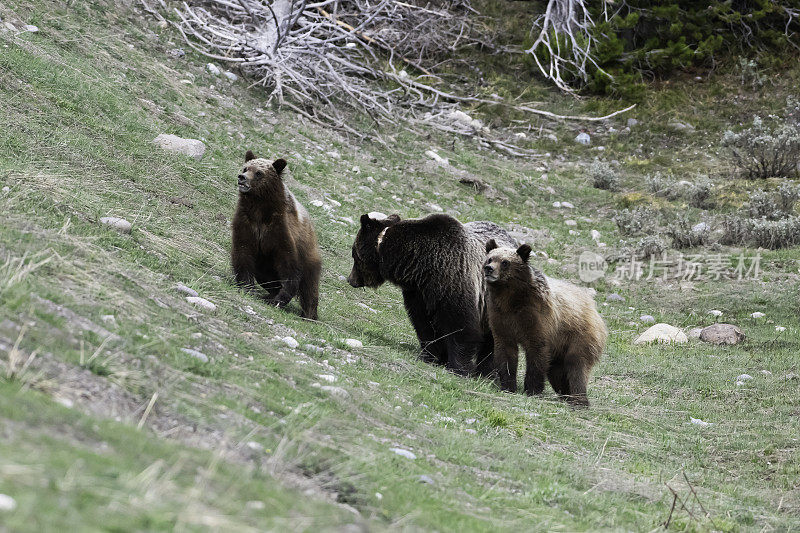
x=765 y=150
x=772 y=234
x=660 y=185
x=684 y=235
x=699 y=194
x=651 y=245
x=788 y=195
x=763 y=205
x=604 y=176
x=634 y=221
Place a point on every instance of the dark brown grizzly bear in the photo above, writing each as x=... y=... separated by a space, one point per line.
x=556 y=323
x=436 y=261
x=274 y=243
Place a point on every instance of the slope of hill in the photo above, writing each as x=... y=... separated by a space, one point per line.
x=125 y=406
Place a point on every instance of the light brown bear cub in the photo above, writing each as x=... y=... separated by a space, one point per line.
x=556 y=323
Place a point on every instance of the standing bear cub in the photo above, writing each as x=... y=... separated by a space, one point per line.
x=556 y=323
x=274 y=244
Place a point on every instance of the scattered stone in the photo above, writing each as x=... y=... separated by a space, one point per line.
x=698 y=422
x=570 y=222
x=334 y=154
x=556 y=204
x=758 y=314
x=335 y=391
x=111 y=320
x=172 y=143
x=202 y=303
x=6 y=189
x=568 y=205
x=255 y=505
x=520 y=135
x=470 y=431
x=230 y=75
x=715 y=312
x=404 y=453
x=180 y=287
x=694 y=333
x=614 y=297
x=647 y=319
x=662 y=333
x=722 y=334
x=437 y=158
x=428 y=480
x=7 y=503
x=701 y=227
x=66 y=402
x=779 y=329
x=213 y=69
x=583 y=138
x=291 y=342
x=354 y=343
x=435 y=207
x=330 y=378
x=680 y=126
x=177 y=53
x=766 y=372
x=595 y=235
x=119 y=224
x=200 y=356
x=744 y=377
x=31 y=28
x=632 y=122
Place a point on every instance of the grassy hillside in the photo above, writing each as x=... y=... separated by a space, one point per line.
x=106 y=422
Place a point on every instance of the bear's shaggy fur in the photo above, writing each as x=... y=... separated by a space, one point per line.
x=436 y=261
x=274 y=243
x=556 y=323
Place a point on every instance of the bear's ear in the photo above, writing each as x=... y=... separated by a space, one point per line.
x=524 y=252
x=392 y=219
x=249 y=155
x=365 y=220
x=279 y=165
x=491 y=245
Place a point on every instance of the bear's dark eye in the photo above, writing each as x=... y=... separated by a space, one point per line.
x=505 y=262
x=259 y=174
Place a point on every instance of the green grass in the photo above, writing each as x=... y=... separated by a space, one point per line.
x=80 y=103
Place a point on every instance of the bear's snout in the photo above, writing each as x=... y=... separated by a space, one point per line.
x=354 y=279
x=488 y=269
x=242 y=179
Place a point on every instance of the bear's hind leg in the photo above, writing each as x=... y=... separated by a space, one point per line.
x=432 y=349
x=309 y=292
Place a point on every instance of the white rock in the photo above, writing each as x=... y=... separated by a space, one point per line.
x=31 y=28
x=119 y=224
x=354 y=343
x=744 y=377
x=520 y=135
x=780 y=328
x=632 y=122
x=66 y=402
x=180 y=287
x=647 y=319
x=355 y=170
x=428 y=480
x=766 y=372
x=698 y=422
x=662 y=333
x=460 y=116
x=583 y=138
x=403 y=74
x=700 y=227
x=230 y=75
x=573 y=232
x=435 y=207
x=739 y=383
x=213 y=69
x=378 y=496
x=715 y=312
x=404 y=453
x=568 y=205
x=7 y=503
x=330 y=378
x=556 y=204
x=172 y=143
x=6 y=189
x=194 y=353
x=334 y=154
x=317 y=203
x=551 y=137
x=595 y=235
x=109 y=319
x=570 y=222
x=436 y=157
x=335 y=391
x=291 y=342
x=758 y=314
x=201 y=302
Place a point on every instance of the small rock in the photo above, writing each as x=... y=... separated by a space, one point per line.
x=428 y=480
x=715 y=312
x=255 y=446
x=758 y=314
x=614 y=297
x=255 y=505
x=6 y=189
x=551 y=137
x=470 y=431
x=109 y=319
x=698 y=422
x=556 y=204
x=595 y=235
x=694 y=333
x=330 y=378
x=722 y=334
x=333 y=154
x=435 y=207
x=180 y=287
x=119 y=224
x=291 y=342
x=700 y=227
x=335 y=391
x=568 y=205
x=779 y=329
x=662 y=333
x=632 y=122
x=66 y=402
x=230 y=75
x=404 y=453
x=7 y=503
x=680 y=126
x=31 y=28
x=200 y=356
x=201 y=302
x=744 y=377
x=583 y=138
x=403 y=74
x=766 y=372
x=317 y=203
x=437 y=158
x=570 y=222
x=647 y=319
x=213 y=69
x=172 y=143
x=520 y=135
x=177 y=53
x=354 y=343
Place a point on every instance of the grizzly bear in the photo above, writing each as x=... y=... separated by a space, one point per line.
x=555 y=321
x=274 y=243
x=436 y=262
